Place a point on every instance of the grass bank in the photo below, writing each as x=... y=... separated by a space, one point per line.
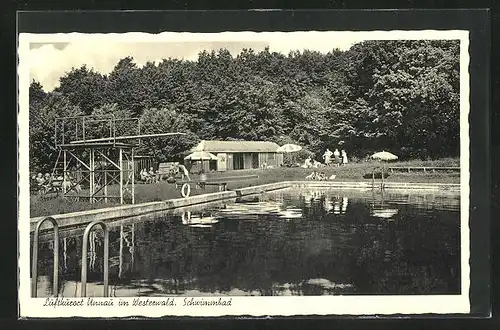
x=162 y=191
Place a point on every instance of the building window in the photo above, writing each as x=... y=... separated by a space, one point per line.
x=271 y=156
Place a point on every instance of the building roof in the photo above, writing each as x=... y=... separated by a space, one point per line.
x=236 y=146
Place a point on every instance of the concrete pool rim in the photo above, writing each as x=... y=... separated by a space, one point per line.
x=122 y=211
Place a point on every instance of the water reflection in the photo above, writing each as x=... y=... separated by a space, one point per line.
x=200 y=219
x=380 y=210
x=127 y=246
x=307 y=242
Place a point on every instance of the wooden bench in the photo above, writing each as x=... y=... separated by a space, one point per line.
x=424 y=169
x=165 y=170
x=222 y=185
x=202 y=184
x=219 y=182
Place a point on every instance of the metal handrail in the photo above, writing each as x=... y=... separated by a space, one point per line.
x=84 y=256
x=34 y=268
x=382 y=184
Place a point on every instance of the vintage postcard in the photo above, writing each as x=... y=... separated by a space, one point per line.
x=243 y=173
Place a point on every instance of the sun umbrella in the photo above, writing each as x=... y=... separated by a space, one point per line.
x=384 y=155
x=201 y=156
x=289 y=148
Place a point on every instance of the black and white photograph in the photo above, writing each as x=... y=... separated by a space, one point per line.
x=243 y=173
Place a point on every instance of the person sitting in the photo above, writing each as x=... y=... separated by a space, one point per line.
x=57 y=180
x=307 y=163
x=69 y=185
x=154 y=178
x=33 y=183
x=316 y=164
x=144 y=175
x=202 y=179
x=39 y=179
x=47 y=180
x=312 y=176
x=321 y=176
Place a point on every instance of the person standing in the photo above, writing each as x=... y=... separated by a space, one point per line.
x=203 y=176
x=327 y=156
x=184 y=172
x=336 y=155
x=344 y=157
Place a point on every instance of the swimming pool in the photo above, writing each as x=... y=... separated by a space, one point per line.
x=288 y=242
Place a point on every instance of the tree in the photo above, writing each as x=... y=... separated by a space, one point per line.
x=36 y=93
x=413 y=88
x=165 y=120
x=400 y=95
x=123 y=122
x=311 y=129
x=84 y=88
x=43 y=153
x=124 y=86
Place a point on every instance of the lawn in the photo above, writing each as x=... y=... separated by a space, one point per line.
x=164 y=190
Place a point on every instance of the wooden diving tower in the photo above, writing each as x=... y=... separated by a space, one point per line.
x=96 y=157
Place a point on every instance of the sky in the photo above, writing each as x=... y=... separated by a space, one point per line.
x=52 y=59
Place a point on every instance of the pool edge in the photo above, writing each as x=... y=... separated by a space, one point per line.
x=117 y=212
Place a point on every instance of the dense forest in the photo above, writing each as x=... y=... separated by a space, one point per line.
x=401 y=96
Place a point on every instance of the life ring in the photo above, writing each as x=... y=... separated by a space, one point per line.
x=185 y=190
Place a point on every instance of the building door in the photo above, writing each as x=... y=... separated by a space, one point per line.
x=238 y=163
x=212 y=165
x=255 y=160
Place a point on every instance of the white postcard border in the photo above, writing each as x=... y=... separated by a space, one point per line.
x=255 y=306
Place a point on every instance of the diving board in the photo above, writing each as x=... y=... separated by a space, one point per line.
x=127 y=137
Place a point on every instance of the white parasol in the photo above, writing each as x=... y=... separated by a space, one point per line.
x=384 y=156
x=289 y=148
x=201 y=156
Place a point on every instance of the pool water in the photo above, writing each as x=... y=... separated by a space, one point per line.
x=287 y=242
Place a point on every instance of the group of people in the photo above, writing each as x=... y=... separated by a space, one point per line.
x=310 y=163
x=45 y=179
x=149 y=176
x=320 y=176
x=153 y=176
x=264 y=166
x=339 y=158
x=51 y=182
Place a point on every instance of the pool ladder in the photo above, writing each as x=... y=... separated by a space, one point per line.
x=55 y=283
